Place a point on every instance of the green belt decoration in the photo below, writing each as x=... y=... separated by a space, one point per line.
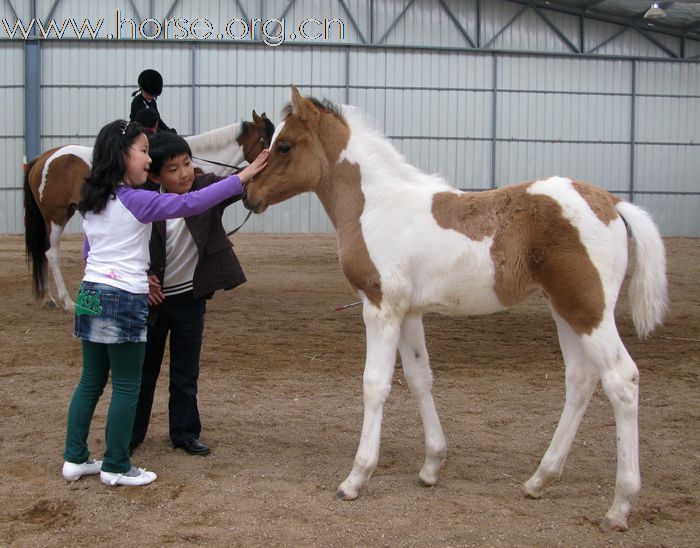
x=87 y=303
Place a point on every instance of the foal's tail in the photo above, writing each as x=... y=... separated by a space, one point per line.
x=36 y=239
x=648 y=288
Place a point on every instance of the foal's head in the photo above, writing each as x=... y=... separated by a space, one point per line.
x=308 y=142
x=255 y=136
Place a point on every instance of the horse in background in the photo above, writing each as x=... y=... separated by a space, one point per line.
x=53 y=180
x=410 y=243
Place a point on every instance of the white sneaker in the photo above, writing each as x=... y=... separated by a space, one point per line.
x=73 y=472
x=135 y=476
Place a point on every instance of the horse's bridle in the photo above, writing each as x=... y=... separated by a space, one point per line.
x=236 y=169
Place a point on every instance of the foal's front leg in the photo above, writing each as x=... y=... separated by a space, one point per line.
x=382 y=341
x=416 y=368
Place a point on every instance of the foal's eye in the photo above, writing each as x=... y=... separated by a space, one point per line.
x=283 y=148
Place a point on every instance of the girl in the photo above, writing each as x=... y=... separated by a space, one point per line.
x=112 y=307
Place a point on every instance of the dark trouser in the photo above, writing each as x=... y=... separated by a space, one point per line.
x=183 y=317
x=124 y=360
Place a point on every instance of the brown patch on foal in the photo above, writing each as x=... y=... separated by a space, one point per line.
x=344 y=202
x=354 y=256
x=533 y=245
x=600 y=201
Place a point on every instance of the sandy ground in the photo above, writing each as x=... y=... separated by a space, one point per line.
x=281 y=404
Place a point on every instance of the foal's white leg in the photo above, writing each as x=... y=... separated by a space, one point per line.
x=416 y=367
x=382 y=341
x=53 y=255
x=620 y=378
x=581 y=380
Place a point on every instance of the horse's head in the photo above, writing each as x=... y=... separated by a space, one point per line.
x=307 y=143
x=255 y=136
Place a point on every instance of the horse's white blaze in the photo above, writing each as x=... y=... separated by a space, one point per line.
x=278 y=129
x=84 y=153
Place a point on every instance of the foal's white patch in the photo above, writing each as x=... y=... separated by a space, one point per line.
x=84 y=153
x=423 y=266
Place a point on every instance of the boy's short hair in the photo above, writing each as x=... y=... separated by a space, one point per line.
x=147 y=117
x=164 y=146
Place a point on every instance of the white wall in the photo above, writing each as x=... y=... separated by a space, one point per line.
x=625 y=119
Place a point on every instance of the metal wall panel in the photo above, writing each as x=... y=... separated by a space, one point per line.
x=479 y=119
x=423 y=23
x=606 y=165
x=610 y=39
x=528 y=31
x=11 y=136
x=675 y=215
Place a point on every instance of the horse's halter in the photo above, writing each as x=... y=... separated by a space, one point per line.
x=262 y=140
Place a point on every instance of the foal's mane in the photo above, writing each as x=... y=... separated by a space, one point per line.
x=325 y=106
x=378 y=147
x=217 y=138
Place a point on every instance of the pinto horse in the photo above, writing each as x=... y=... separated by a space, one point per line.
x=53 y=181
x=409 y=243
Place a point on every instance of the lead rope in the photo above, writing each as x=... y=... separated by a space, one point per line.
x=232 y=232
x=236 y=169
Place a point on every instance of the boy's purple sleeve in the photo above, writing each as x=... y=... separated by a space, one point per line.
x=86 y=249
x=148 y=206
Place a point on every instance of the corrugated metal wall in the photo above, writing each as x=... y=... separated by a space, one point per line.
x=624 y=118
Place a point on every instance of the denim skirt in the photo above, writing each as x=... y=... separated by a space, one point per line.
x=108 y=315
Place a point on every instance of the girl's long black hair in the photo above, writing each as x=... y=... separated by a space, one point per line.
x=108 y=164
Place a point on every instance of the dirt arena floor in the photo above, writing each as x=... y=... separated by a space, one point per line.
x=281 y=405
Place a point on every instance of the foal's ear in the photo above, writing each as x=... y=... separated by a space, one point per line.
x=302 y=108
x=255 y=116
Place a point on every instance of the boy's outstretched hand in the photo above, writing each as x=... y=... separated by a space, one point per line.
x=256 y=167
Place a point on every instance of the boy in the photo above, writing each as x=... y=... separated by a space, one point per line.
x=190 y=259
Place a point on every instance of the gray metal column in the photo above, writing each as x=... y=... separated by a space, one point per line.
x=633 y=127
x=32 y=92
x=32 y=98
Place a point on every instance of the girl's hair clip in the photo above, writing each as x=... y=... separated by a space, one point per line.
x=123 y=126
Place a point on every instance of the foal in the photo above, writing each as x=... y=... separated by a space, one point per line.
x=53 y=181
x=409 y=243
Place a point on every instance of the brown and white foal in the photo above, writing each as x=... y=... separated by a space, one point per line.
x=409 y=243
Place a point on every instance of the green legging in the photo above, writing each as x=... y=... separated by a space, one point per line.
x=126 y=361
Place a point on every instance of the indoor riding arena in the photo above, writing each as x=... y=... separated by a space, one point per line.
x=483 y=94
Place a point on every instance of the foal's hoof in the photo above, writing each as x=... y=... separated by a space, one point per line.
x=530 y=493
x=50 y=304
x=612 y=525
x=426 y=483
x=342 y=495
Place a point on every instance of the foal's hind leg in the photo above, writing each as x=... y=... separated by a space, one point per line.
x=382 y=341
x=416 y=367
x=581 y=380
x=53 y=255
x=620 y=378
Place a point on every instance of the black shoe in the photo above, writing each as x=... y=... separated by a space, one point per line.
x=193 y=447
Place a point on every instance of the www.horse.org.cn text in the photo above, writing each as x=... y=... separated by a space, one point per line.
x=272 y=32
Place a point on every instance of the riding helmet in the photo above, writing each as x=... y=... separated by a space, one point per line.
x=151 y=82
